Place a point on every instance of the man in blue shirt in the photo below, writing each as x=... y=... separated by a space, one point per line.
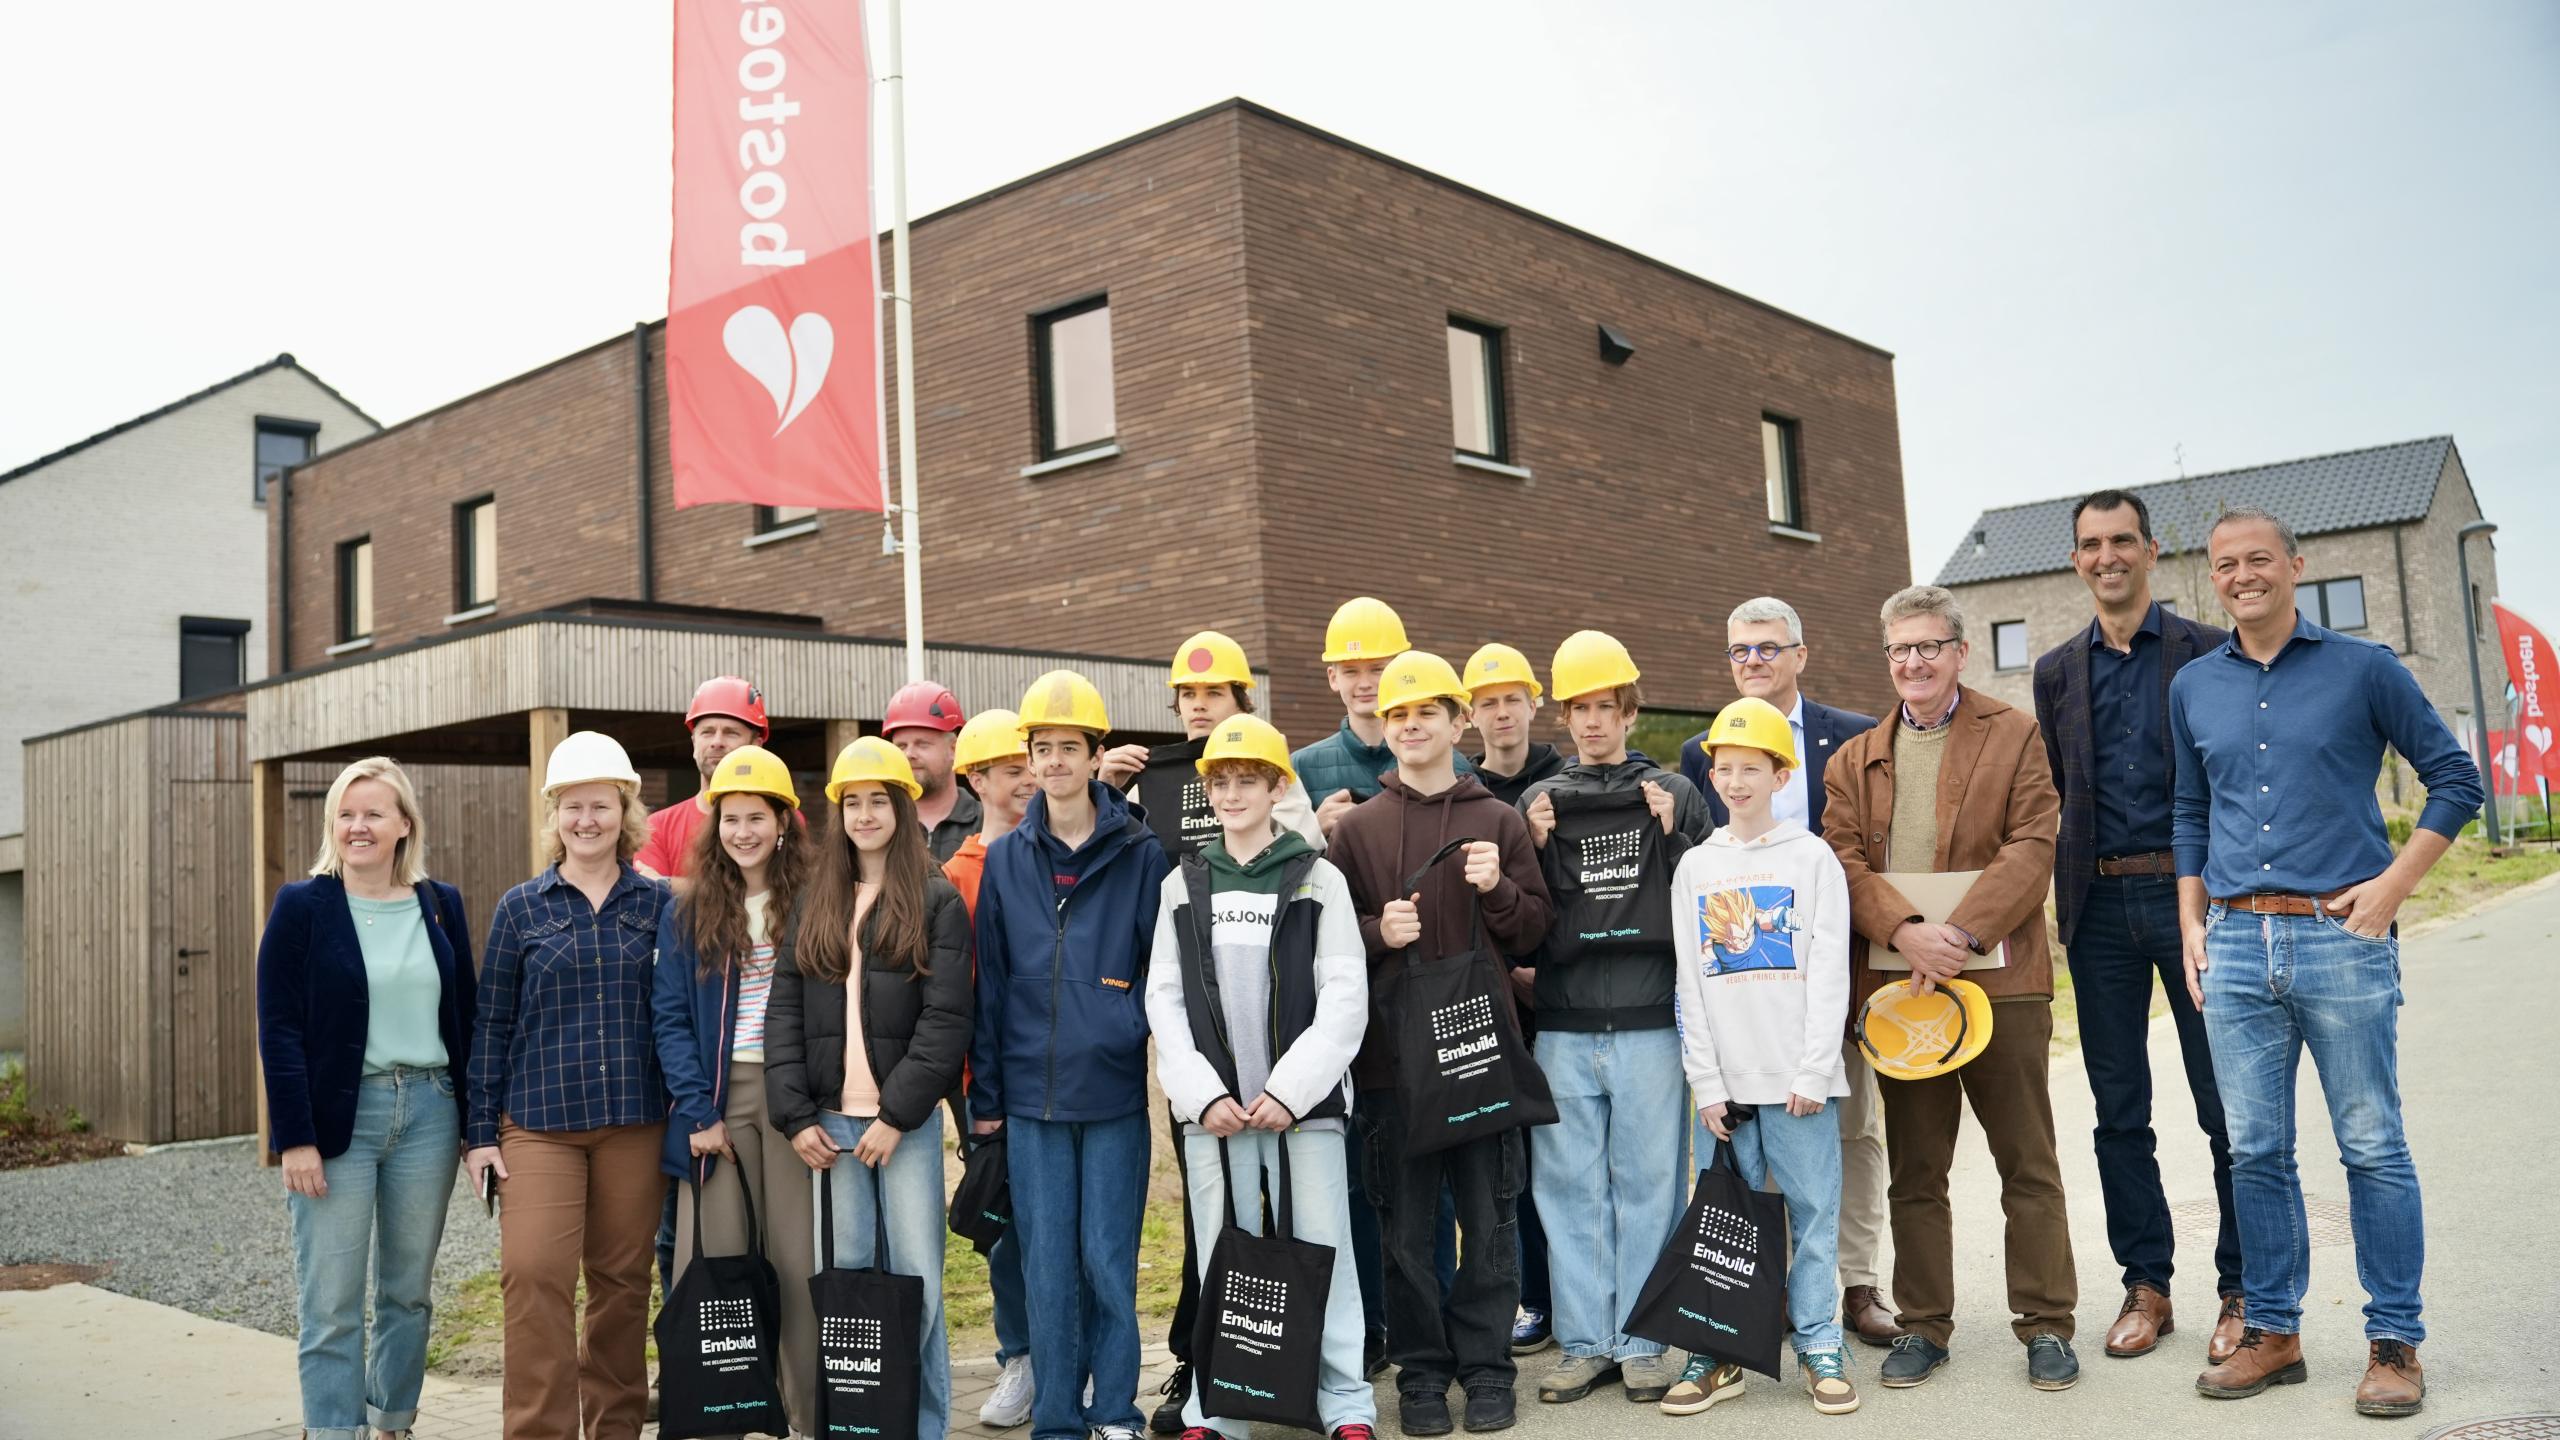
x=2286 y=892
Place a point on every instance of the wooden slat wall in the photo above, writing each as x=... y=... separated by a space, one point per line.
x=474 y=817
x=87 y=926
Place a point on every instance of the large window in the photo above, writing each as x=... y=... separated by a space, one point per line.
x=355 y=589
x=1475 y=391
x=475 y=553
x=1074 y=358
x=211 y=654
x=2009 y=645
x=1782 y=464
x=282 y=444
x=2338 y=604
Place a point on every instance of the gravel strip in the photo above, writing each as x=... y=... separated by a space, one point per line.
x=203 y=1229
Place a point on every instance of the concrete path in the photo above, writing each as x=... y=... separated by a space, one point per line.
x=2479 y=1077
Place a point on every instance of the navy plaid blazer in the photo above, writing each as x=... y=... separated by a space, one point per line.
x=2062 y=713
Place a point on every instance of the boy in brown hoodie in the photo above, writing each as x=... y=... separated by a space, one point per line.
x=1423 y=805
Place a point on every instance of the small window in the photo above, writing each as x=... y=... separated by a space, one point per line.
x=1781 y=465
x=282 y=444
x=211 y=655
x=355 y=589
x=475 y=553
x=1074 y=359
x=2009 y=645
x=2337 y=604
x=1475 y=391
x=770 y=518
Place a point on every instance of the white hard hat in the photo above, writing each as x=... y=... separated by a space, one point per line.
x=585 y=757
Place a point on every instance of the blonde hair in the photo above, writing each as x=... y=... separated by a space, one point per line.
x=635 y=825
x=409 y=859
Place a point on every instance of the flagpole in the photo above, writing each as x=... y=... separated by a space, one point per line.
x=909 y=561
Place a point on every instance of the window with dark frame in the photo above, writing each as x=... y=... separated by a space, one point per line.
x=770 y=518
x=1782 y=467
x=282 y=444
x=355 y=589
x=2009 y=645
x=1072 y=357
x=212 y=655
x=2335 y=604
x=475 y=553
x=1476 y=402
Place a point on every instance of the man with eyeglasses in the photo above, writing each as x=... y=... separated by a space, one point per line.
x=1764 y=642
x=1958 y=783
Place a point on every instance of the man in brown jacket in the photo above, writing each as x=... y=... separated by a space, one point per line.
x=1959 y=781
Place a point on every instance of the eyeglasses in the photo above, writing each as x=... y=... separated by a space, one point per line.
x=1766 y=650
x=1927 y=649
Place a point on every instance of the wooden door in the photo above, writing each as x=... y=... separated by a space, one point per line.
x=213 y=965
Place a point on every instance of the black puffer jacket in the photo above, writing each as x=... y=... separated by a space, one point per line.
x=915 y=1028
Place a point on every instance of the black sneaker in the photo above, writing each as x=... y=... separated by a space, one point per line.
x=1913 y=1361
x=1423 y=1412
x=1373 y=1355
x=1489 y=1407
x=2050 y=1363
x=1175 y=1390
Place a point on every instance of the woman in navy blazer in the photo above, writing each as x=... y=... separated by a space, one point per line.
x=365 y=1000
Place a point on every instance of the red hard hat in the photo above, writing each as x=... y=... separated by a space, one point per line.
x=728 y=695
x=922 y=705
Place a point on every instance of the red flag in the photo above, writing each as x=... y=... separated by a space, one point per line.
x=773 y=310
x=2530 y=661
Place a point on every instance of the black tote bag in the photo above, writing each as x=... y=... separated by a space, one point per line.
x=1258 y=1344
x=870 y=1327
x=982 y=1203
x=1720 y=1288
x=1463 y=1072
x=718 y=1337
x=1610 y=874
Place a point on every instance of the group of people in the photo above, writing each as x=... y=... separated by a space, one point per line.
x=693 y=1019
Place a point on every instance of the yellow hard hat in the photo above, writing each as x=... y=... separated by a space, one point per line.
x=1063 y=698
x=871 y=758
x=1419 y=675
x=990 y=736
x=1363 y=629
x=1913 y=1037
x=1210 y=658
x=1589 y=660
x=1247 y=737
x=1756 y=723
x=752 y=770
x=1499 y=664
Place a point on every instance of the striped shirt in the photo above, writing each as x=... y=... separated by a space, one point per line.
x=755 y=986
x=562 y=1040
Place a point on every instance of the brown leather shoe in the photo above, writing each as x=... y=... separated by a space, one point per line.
x=2260 y=1360
x=1863 y=1310
x=2140 y=1324
x=2393 y=1384
x=2226 y=1332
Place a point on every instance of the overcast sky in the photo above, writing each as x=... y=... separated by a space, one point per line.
x=2098 y=238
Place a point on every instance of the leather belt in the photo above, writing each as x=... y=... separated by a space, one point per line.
x=2158 y=862
x=2274 y=904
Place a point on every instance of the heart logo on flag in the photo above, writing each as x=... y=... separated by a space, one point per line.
x=790 y=367
x=2540 y=735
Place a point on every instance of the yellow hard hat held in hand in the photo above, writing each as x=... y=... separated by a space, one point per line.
x=1909 y=1036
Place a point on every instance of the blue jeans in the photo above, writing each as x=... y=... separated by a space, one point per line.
x=1607 y=1177
x=910 y=1185
x=1320 y=1214
x=1079 y=1194
x=386 y=1204
x=1803 y=1152
x=1004 y=1293
x=2276 y=984
x=2127 y=933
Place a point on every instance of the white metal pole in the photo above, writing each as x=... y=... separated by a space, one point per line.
x=909 y=560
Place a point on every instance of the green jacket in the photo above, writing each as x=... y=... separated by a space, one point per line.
x=1340 y=762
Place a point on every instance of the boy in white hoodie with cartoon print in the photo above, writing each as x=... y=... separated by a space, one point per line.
x=1760 y=927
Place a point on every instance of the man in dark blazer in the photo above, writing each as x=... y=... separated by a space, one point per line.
x=2102 y=701
x=1764 y=642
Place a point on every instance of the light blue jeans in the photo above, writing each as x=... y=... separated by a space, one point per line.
x=2275 y=986
x=386 y=1205
x=1803 y=1152
x=1320 y=1214
x=1607 y=1177
x=910 y=1184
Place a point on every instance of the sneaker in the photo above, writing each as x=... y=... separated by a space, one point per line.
x=1702 y=1383
x=1572 y=1377
x=2050 y=1363
x=1010 y=1404
x=1423 y=1412
x=1200 y=1432
x=1826 y=1379
x=1353 y=1431
x=1176 y=1390
x=1530 y=1332
x=1117 y=1432
x=1913 y=1361
x=1648 y=1378
x=1489 y=1407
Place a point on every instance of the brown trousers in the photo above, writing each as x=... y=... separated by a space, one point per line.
x=2006 y=1086
x=784 y=1206
x=573 y=1200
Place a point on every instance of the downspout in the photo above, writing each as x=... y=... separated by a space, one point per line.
x=283 y=491
x=640 y=455
x=2400 y=563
